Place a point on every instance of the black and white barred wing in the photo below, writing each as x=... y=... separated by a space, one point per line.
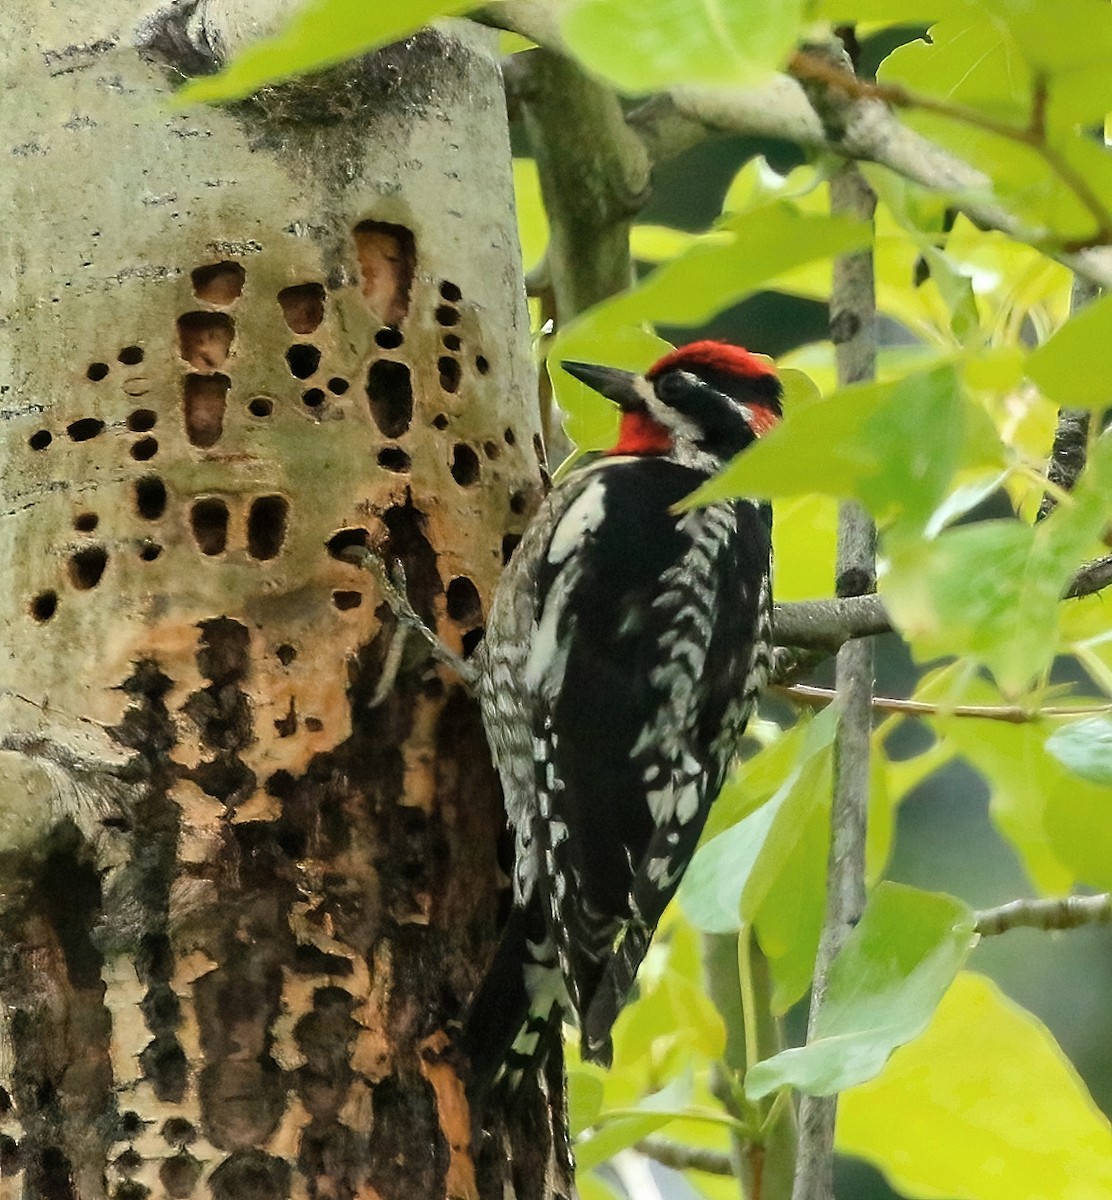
x=639 y=671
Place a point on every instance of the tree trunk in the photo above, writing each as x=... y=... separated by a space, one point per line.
x=247 y=878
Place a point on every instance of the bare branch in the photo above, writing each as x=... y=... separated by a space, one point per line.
x=1064 y=912
x=855 y=126
x=853 y=331
x=825 y=625
x=685 y=1158
x=1093 y=577
x=1071 y=437
x=1013 y=714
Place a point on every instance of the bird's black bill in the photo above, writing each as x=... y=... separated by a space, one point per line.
x=616 y=385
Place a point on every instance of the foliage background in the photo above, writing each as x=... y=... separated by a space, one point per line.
x=947 y=452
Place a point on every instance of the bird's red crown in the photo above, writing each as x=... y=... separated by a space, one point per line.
x=716 y=356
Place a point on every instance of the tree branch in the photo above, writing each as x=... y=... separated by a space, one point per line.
x=853 y=332
x=685 y=1158
x=1013 y=714
x=825 y=625
x=1071 y=437
x=861 y=127
x=1064 y=912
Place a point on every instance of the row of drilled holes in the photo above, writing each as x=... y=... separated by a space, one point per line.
x=266 y=531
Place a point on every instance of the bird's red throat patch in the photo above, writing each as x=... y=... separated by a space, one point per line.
x=640 y=434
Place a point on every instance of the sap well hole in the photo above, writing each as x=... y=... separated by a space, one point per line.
x=348 y=539
x=452 y=342
x=150 y=497
x=205 y=338
x=40 y=439
x=509 y=437
x=313 y=397
x=285 y=653
x=393 y=458
x=449 y=373
x=471 y=641
x=261 y=406
x=337 y=385
x=84 y=429
x=509 y=545
x=131 y=356
x=344 y=600
x=390 y=393
x=440 y=421
x=144 y=449
x=208 y=519
x=447 y=315
x=96 y=371
x=314 y=724
x=387 y=257
x=389 y=338
x=519 y=502
x=141 y=420
x=302 y=306
x=464 y=605
x=481 y=364
x=44 y=606
x=204 y=399
x=491 y=449
x=451 y=292
x=86 y=566
x=465 y=465
x=219 y=283
x=149 y=551
x=266 y=526
x=86 y=522
x=302 y=360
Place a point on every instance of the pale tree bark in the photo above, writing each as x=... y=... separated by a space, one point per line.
x=245 y=888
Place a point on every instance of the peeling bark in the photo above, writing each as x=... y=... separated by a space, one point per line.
x=242 y=906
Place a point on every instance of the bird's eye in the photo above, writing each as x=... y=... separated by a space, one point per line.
x=672 y=384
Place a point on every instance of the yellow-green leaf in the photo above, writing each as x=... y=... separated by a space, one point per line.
x=983 y=1106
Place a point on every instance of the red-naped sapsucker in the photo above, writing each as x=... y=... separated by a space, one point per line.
x=626 y=644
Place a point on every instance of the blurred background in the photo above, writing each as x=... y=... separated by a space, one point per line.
x=944 y=840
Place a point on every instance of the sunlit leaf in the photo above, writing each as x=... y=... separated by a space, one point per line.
x=984 y=1105
x=893 y=446
x=1074 y=368
x=619 y=1132
x=745 y=859
x=1085 y=747
x=688 y=42
x=532 y=221
x=883 y=988
x=319 y=35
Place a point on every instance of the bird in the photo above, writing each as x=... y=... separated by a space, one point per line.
x=626 y=644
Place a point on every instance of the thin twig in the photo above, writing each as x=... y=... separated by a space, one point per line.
x=853 y=331
x=392 y=588
x=1063 y=912
x=686 y=1158
x=1013 y=714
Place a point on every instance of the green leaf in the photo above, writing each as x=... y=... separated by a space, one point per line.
x=893 y=446
x=1085 y=747
x=319 y=35
x=984 y=1106
x=745 y=859
x=642 y=47
x=621 y=1131
x=993 y=589
x=1074 y=368
x=890 y=12
x=532 y=220
x=883 y=988
x=585 y=1092
x=737 y=257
